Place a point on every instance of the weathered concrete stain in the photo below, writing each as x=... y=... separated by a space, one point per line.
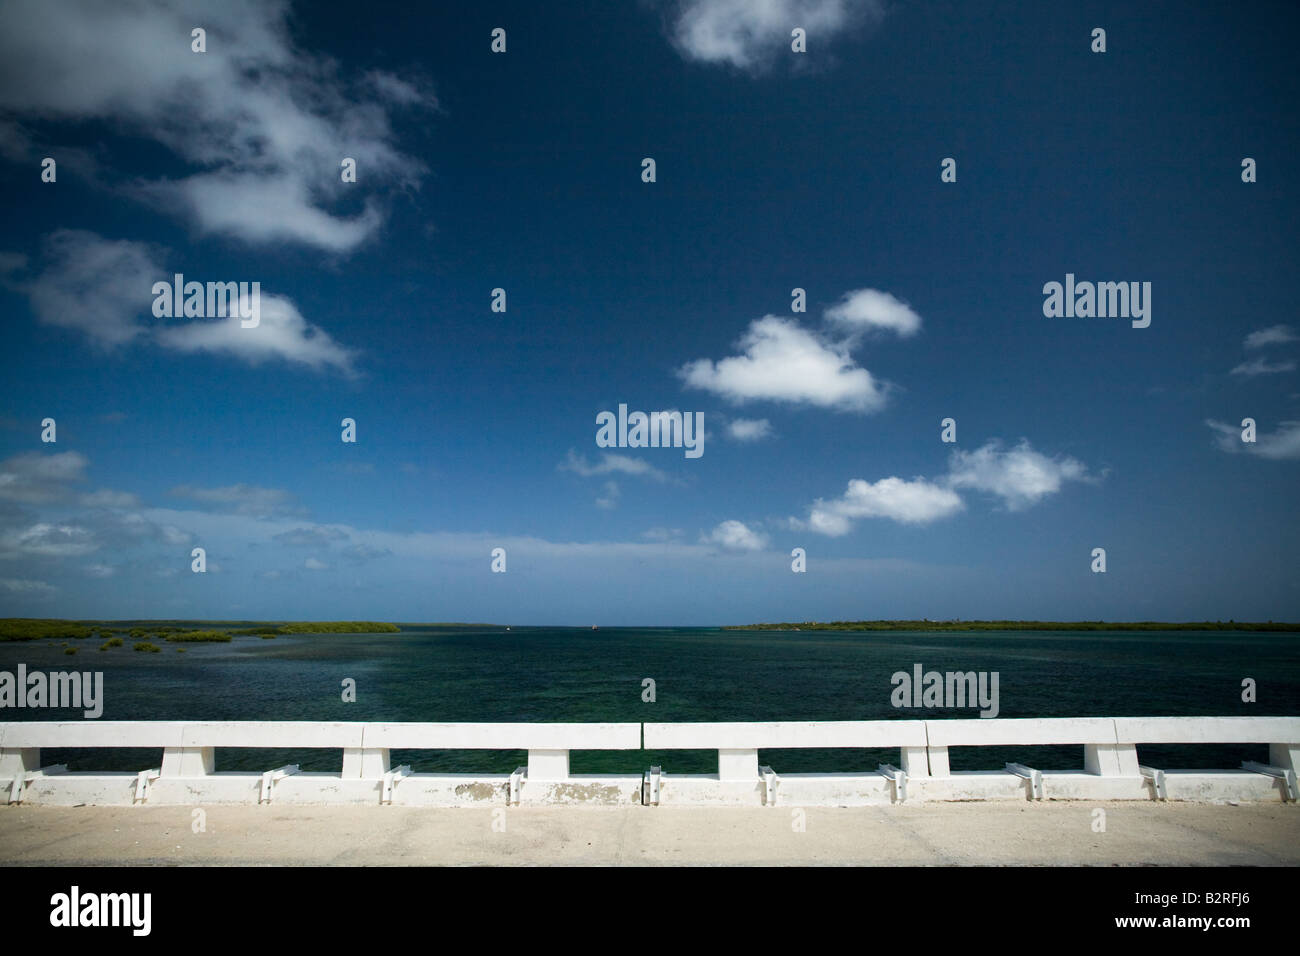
x=477 y=791
x=585 y=793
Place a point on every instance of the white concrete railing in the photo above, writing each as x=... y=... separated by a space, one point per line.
x=1110 y=761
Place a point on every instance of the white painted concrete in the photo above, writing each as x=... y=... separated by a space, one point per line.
x=189 y=773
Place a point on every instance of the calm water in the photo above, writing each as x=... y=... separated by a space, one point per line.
x=556 y=674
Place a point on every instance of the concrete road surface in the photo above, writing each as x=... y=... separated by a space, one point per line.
x=937 y=834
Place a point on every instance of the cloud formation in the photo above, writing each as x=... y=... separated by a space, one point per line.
x=1273 y=335
x=908 y=502
x=750 y=34
x=871 y=309
x=102 y=288
x=735 y=536
x=610 y=463
x=261 y=123
x=1261 y=366
x=781 y=361
x=749 y=429
x=1019 y=476
x=33 y=477
x=1281 y=445
x=240 y=499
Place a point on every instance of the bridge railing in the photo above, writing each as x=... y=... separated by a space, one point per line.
x=1110 y=752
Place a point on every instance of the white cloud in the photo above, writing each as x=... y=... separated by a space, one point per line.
x=749 y=33
x=103 y=289
x=908 y=502
x=611 y=464
x=1020 y=476
x=261 y=122
x=314 y=564
x=785 y=363
x=735 y=536
x=864 y=309
x=98 y=286
x=101 y=570
x=46 y=539
x=32 y=477
x=749 y=429
x=281 y=334
x=1261 y=367
x=1273 y=335
x=1283 y=444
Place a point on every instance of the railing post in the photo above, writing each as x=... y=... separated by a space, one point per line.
x=1286 y=756
x=548 y=765
x=15 y=763
x=365 y=763
x=938 y=759
x=188 y=761
x=1111 y=760
x=915 y=762
x=737 y=764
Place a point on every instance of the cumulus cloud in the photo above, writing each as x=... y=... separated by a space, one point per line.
x=102 y=288
x=749 y=429
x=780 y=361
x=1261 y=366
x=871 y=309
x=261 y=123
x=315 y=564
x=1283 y=444
x=749 y=34
x=908 y=502
x=1273 y=335
x=1020 y=476
x=735 y=536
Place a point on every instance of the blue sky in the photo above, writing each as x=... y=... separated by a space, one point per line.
x=522 y=170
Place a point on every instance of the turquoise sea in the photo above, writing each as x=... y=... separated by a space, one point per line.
x=568 y=674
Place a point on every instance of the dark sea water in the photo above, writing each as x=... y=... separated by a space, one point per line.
x=559 y=674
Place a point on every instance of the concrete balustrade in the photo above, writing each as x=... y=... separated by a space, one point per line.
x=738 y=779
x=189 y=774
x=1110 y=769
